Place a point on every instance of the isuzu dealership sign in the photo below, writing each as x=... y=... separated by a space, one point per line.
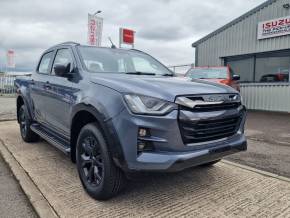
x=274 y=28
x=95 y=28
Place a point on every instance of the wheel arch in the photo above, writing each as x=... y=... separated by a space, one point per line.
x=19 y=102
x=83 y=114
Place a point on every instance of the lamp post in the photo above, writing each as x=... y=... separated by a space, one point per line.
x=97 y=12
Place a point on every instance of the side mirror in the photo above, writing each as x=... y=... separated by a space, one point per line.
x=236 y=77
x=62 y=70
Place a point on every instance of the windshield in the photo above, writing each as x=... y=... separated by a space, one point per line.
x=208 y=73
x=105 y=60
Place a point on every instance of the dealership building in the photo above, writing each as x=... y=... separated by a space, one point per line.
x=257 y=47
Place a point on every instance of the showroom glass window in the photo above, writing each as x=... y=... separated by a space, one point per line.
x=244 y=68
x=272 y=69
x=262 y=67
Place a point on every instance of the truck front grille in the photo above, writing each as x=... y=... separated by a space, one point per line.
x=208 y=130
x=214 y=107
x=205 y=118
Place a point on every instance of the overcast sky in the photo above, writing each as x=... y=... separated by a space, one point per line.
x=164 y=28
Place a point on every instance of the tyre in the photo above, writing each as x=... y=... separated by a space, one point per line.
x=210 y=163
x=97 y=171
x=24 y=123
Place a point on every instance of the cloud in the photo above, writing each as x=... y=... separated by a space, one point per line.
x=163 y=33
x=164 y=28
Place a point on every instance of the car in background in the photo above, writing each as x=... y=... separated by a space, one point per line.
x=279 y=77
x=221 y=74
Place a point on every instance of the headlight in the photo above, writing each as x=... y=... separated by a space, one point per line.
x=140 y=104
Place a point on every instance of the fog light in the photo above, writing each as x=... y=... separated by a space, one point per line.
x=142 y=132
x=141 y=146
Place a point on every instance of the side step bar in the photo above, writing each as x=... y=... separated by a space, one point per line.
x=51 y=138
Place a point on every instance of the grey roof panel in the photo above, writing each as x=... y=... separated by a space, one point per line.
x=249 y=13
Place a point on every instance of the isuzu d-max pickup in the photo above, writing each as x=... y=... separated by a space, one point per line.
x=116 y=112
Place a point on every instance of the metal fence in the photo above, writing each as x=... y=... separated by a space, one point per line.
x=7 y=84
x=180 y=69
x=267 y=96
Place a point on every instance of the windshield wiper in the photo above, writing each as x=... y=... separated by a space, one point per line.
x=140 y=73
x=209 y=78
x=167 y=74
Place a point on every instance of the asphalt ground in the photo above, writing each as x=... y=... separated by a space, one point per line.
x=7 y=108
x=268 y=137
x=13 y=202
x=270 y=127
x=220 y=191
x=273 y=158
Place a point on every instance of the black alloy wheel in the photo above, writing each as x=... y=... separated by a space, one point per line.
x=99 y=175
x=91 y=160
x=24 y=123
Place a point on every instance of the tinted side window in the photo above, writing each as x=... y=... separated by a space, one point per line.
x=44 y=63
x=63 y=57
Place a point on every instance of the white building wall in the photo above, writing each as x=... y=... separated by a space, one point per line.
x=268 y=97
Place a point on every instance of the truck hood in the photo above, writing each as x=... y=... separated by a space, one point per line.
x=166 y=88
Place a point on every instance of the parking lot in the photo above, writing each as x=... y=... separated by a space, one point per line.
x=7 y=108
x=220 y=191
x=13 y=202
x=269 y=143
x=224 y=190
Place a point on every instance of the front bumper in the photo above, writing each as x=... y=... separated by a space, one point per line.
x=170 y=153
x=177 y=161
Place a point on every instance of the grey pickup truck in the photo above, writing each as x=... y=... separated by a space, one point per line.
x=120 y=111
